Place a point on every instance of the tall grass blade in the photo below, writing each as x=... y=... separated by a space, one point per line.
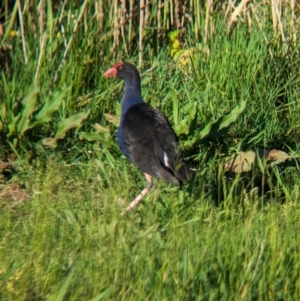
x=103 y=295
x=10 y=23
x=50 y=20
x=59 y=295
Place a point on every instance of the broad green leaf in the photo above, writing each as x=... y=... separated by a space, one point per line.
x=185 y=124
x=72 y=122
x=51 y=105
x=174 y=41
x=100 y=129
x=231 y=117
x=114 y=119
x=172 y=35
x=28 y=103
x=93 y=136
x=12 y=126
x=2 y=111
x=4 y=105
x=8 y=102
x=51 y=142
x=65 y=125
x=218 y=127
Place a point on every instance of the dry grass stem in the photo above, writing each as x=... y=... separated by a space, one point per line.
x=116 y=26
x=70 y=41
x=208 y=21
x=42 y=51
x=41 y=15
x=158 y=16
x=130 y=25
x=258 y=22
x=274 y=15
x=236 y=13
x=171 y=14
x=142 y=4
x=22 y=31
x=123 y=17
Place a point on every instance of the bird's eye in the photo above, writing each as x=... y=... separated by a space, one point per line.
x=121 y=68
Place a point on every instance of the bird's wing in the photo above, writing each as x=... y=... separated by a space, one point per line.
x=152 y=144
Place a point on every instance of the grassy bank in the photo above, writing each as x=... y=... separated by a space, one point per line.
x=67 y=242
x=223 y=236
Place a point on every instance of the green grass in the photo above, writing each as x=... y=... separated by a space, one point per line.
x=68 y=238
x=222 y=236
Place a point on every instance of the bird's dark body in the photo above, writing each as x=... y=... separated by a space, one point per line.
x=147 y=140
x=145 y=136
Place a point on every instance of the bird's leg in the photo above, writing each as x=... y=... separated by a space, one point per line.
x=142 y=194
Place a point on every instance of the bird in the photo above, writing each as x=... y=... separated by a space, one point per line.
x=145 y=135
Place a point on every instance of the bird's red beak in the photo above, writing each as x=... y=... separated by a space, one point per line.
x=111 y=72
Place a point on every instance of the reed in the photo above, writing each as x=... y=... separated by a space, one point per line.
x=133 y=24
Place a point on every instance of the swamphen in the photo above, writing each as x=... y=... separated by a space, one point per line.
x=145 y=135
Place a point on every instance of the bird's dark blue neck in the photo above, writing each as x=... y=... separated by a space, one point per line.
x=131 y=96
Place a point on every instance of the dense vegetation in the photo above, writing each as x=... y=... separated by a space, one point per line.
x=228 y=81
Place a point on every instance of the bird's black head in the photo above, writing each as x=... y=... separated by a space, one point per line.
x=128 y=73
x=123 y=70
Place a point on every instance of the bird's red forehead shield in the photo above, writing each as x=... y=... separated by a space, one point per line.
x=112 y=71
